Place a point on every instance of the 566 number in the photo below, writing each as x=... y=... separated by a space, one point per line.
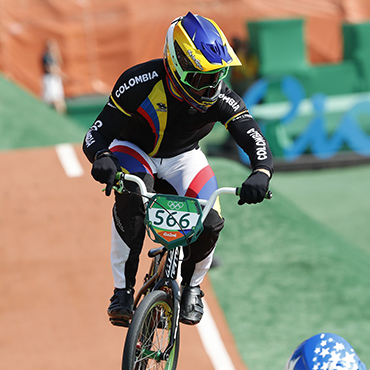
x=170 y=219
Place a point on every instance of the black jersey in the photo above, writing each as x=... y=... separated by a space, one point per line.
x=145 y=109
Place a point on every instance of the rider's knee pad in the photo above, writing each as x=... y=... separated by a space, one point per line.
x=129 y=213
x=206 y=241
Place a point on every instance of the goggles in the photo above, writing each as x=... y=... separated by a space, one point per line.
x=203 y=80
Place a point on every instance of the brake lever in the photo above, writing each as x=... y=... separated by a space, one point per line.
x=119 y=187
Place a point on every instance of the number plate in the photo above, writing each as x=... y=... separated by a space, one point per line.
x=172 y=219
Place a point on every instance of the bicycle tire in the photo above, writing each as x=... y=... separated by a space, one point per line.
x=149 y=333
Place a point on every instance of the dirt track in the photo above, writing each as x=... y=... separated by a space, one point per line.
x=55 y=272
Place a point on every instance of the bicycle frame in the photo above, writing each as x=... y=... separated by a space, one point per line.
x=168 y=281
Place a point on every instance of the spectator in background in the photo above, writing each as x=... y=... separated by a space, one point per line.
x=52 y=81
x=243 y=77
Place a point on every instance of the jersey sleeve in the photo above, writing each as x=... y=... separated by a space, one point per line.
x=104 y=130
x=245 y=130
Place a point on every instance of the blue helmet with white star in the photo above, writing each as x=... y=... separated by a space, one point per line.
x=325 y=351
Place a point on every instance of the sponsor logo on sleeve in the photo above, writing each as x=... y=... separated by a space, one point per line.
x=89 y=140
x=260 y=144
x=229 y=100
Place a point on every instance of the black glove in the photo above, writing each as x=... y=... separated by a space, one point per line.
x=104 y=170
x=254 y=188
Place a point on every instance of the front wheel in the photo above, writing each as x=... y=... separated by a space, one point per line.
x=149 y=335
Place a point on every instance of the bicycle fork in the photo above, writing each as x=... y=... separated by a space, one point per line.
x=169 y=283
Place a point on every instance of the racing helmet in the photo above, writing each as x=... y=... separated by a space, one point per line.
x=197 y=56
x=325 y=351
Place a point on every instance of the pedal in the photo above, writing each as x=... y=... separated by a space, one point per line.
x=119 y=322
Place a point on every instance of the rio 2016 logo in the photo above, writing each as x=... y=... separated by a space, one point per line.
x=314 y=138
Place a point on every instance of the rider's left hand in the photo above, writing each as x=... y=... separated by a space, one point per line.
x=254 y=188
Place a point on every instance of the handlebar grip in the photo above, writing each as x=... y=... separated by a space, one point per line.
x=267 y=196
x=118 y=176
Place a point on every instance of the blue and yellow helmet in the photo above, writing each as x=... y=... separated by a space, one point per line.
x=325 y=351
x=197 y=56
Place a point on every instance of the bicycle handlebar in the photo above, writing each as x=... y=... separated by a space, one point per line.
x=208 y=204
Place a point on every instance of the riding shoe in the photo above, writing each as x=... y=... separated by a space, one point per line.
x=191 y=306
x=120 y=310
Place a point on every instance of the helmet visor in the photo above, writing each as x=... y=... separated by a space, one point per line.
x=203 y=80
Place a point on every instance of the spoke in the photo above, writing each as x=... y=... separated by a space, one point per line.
x=154 y=340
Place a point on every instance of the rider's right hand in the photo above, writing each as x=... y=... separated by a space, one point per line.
x=104 y=170
x=254 y=188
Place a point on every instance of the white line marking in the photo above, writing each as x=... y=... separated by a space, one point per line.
x=68 y=158
x=212 y=341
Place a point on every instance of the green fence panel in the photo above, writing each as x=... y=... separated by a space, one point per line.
x=356 y=47
x=279 y=45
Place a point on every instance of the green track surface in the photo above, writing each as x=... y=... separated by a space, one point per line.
x=296 y=265
x=27 y=122
x=291 y=267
